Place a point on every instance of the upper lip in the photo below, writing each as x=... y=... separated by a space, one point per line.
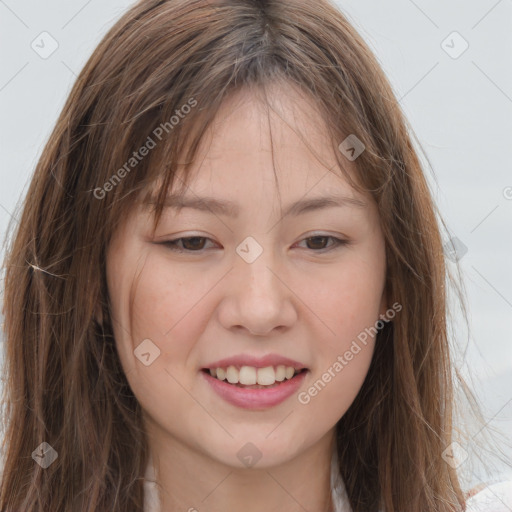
x=257 y=362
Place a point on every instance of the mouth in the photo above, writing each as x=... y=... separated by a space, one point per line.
x=249 y=377
x=255 y=388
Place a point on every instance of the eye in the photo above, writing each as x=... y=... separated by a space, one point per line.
x=196 y=243
x=190 y=244
x=318 y=242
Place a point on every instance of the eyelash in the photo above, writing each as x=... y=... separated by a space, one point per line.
x=172 y=244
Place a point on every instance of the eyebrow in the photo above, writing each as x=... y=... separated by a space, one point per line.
x=231 y=209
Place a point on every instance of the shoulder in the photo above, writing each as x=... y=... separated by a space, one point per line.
x=494 y=497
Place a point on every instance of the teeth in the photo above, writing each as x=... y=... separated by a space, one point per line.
x=232 y=375
x=266 y=376
x=280 y=373
x=249 y=375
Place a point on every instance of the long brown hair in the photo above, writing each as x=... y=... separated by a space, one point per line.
x=156 y=80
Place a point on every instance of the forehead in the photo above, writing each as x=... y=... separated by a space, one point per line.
x=256 y=144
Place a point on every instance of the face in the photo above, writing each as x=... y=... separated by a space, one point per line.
x=250 y=285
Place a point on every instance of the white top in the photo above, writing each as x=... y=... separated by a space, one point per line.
x=496 y=497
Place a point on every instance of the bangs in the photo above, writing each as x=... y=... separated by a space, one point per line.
x=169 y=167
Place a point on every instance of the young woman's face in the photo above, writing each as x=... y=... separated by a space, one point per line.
x=250 y=284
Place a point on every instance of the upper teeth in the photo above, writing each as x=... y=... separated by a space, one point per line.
x=249 y=375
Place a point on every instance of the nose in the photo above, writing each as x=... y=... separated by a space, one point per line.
x=257 y=298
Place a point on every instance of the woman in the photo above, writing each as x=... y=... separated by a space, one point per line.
x=261 y=370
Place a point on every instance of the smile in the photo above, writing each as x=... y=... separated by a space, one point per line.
x=254 y=377
x=254 y=388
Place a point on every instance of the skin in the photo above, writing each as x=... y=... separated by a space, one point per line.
x=296 y=299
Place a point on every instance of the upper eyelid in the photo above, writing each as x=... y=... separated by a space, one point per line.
x=311 y=235
x=338 y=240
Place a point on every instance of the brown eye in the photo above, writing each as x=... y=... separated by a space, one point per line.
x=189 y=244
x=196 y=244
x=318 y=243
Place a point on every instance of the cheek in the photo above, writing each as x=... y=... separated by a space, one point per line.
x=165 y=306
x=331 y=392
x=163 y=316
x=347 y=298
x=349 y=307
x=347 y=303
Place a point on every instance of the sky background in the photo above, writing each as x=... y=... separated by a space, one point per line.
x=450 y=66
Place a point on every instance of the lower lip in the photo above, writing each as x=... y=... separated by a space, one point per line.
x=255 y=398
